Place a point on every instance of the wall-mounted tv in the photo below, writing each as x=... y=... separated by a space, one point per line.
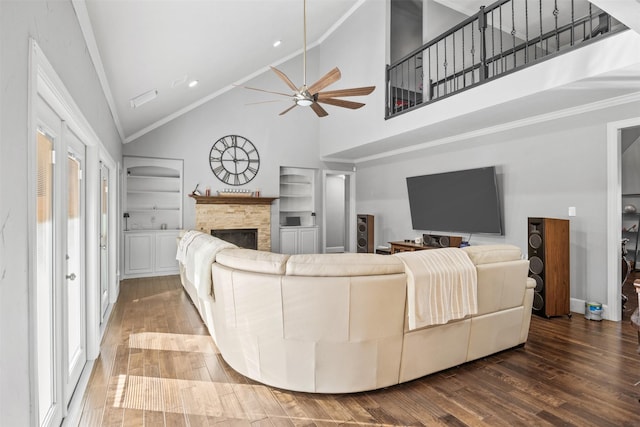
x=463 y=201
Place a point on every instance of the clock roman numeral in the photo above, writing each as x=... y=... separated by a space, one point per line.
x=252 y=170
x=218 y=170
x=215 y=159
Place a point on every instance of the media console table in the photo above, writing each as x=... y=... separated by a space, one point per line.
x=408 y=247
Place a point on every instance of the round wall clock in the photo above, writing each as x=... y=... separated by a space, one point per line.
x=234 y=160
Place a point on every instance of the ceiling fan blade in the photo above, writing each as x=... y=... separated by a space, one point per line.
x=331 y=77
x=267 y=91
x=285 y=79
x=321 y=112
x=266 y=102
x=341 y=103
x=339 y=93
x=288 y=109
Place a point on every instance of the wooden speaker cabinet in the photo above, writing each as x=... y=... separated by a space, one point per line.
x=548 y=248
x=364 y=230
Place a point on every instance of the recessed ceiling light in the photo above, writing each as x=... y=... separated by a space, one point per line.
x=277 y=43
x=144 y=98
x=193 y=83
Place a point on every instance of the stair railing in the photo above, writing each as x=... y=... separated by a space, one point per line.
x=501 y=38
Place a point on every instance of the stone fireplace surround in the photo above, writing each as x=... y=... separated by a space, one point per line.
x=228 y=212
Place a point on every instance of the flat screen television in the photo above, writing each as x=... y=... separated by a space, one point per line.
x=463 y=201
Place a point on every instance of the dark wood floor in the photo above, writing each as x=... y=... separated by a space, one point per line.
x=159 y=367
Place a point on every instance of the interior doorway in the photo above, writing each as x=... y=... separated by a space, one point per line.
x=338 y=211
x=616 y=144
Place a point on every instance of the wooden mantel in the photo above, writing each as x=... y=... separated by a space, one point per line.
x=227 y=200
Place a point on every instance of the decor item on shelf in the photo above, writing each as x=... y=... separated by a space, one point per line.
x=126 y=221
x=310 y=96
x=195 y=191
x=629 y=209
x=234 y=160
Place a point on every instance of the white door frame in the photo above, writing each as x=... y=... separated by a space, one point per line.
x=45 y=83
x=350 y=221
x=613 y=311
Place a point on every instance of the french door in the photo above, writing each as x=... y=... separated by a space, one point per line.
x=104 y=241
x=60 y=285
x=74 y=305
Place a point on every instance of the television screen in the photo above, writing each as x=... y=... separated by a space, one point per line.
x=462 y=201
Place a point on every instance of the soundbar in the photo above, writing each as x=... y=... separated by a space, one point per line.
x=441 y=241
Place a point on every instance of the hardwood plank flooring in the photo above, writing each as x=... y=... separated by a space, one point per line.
x=159 y=367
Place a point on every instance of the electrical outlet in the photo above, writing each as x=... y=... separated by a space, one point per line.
x=572 y=211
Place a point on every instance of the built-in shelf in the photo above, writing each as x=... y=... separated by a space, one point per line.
x=297 y=195
x=153 y=202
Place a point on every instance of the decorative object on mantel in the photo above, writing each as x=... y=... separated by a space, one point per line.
x=234 y=160
x=310 y=96
x=235 y=192
x=195 y=191
x=629 y=209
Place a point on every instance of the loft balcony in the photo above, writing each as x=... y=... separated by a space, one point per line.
x=498 y=40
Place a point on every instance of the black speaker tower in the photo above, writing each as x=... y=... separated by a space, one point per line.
x=364 y=234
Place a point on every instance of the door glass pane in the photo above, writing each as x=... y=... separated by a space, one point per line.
x=44 y=274
x=75 y=291
x=104 y=234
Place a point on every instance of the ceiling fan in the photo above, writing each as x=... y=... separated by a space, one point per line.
x=311 y=96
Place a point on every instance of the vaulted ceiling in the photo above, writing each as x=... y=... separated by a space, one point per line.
x=158 y=47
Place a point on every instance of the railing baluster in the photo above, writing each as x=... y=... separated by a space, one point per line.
x=464 y=53
x=535 y=52
x=501 y=48
x=513 y=34
x=590 y=22
x=493 y=51
x=556 y=12
x=455 y=80
x=526 y=31
x=572 y=23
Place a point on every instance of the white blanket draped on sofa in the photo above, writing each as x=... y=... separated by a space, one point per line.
x=442 y=285
x=197 y=251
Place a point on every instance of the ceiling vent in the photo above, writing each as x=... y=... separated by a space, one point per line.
x=144 y=98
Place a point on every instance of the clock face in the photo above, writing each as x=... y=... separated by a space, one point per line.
x=234 y=160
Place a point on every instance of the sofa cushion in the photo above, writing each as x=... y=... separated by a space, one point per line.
x=252 y=260
x=487 y=254
x=337 y=265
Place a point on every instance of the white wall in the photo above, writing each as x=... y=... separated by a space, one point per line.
x=289 y=140
x=54 y=27
x=542 y=170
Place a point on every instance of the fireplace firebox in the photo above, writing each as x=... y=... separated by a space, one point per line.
x=242 y=237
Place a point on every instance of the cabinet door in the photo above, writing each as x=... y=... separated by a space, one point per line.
x=166 y=248
x=138 y=251
x=308 y=241
x=288 y=241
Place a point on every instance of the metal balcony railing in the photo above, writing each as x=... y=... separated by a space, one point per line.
x=499 y=39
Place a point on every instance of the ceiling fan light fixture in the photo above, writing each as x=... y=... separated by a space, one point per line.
x=304 y=102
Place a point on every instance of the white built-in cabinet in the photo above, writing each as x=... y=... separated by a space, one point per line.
x=153 y=203
x=298 y=230
x=299 y=240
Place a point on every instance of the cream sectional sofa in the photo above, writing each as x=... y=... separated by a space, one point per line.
x=337 y=323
